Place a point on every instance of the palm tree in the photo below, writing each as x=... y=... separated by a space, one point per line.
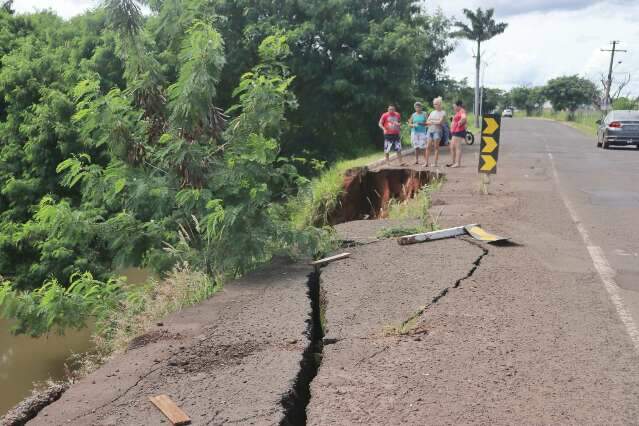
x=482 y=28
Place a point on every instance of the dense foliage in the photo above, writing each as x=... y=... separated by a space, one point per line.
x=570 y=92
x=176 y=137
x=529 y=99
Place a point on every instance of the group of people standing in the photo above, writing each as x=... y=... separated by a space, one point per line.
x=427 y=132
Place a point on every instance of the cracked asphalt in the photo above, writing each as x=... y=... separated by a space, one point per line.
x=229 y=360
x=530 y=338
x=445 y=332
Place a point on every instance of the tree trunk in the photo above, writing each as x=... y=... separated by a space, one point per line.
x=477 y=69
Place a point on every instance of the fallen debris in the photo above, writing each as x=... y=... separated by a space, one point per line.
x=479 y=234
x=473 y=230
x=321 y=262
x=172 y=412
x=431 y=236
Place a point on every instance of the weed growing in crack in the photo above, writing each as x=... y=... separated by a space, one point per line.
x=398 y=231
x=409 y=326
x=418 y=207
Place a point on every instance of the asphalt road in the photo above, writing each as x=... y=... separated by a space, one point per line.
x=601 y=187
x=534 y=333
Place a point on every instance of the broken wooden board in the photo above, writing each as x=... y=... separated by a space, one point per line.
x=431 y=236
x=480 y=234
x=327 y=260
x=172 y=412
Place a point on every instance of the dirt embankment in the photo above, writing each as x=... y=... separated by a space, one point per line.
x=368 y=192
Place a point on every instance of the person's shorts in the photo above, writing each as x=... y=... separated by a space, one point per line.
x=418 y=139
x=461 y=134
x=434 y=135
x=392 y=143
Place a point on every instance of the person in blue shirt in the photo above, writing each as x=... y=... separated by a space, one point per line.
x=417 y=124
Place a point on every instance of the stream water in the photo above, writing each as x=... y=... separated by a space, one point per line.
x=25 y=360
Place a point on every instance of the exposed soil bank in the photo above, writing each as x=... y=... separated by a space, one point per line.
x=367 y=193
x=231 y=359
x=31 y=406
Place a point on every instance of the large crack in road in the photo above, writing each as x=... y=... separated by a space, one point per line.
x=446 y=290
x=297 y=399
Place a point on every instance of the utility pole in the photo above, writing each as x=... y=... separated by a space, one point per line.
x=609 y=82
x=481 y=90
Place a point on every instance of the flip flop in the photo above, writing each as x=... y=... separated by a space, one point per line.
x=449 y=165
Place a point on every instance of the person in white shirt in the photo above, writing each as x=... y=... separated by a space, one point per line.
x=434 y=135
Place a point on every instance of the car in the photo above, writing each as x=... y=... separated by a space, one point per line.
x=619 y=127
x=507 y=113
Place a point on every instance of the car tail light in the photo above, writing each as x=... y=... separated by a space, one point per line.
x=615 y=125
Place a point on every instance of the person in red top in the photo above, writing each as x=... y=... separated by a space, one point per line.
x=390 y=123
x=458 y=133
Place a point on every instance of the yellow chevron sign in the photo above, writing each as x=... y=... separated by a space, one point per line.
x=489 y=163
x=491 y=126
x=489 y=150
x=490 y=144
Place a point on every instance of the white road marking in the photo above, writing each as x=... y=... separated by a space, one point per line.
x=605 y=271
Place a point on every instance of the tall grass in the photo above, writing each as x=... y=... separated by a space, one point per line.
x=470 y=119
x=316 y=201
x=417 y=207
x=148 y=303
x=582 y=120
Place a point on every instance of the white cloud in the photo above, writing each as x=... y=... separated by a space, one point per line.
x=64 y=8
x=544 y=39
x=544 y=44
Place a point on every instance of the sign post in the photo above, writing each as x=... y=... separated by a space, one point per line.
x=489 y=150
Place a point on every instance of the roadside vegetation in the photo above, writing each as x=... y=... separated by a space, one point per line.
x=585 y=121
x=199 y=140
x=196 y=142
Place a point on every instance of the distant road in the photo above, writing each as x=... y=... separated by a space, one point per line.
x=601 y=187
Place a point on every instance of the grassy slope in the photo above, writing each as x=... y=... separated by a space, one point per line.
x=314 y=203
x=584 y=121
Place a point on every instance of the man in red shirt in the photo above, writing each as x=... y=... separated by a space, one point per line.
x=458 y=131
x=390 y=123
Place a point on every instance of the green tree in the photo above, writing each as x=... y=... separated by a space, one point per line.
x=482 y=27
x=431 y=78
x=529 y=99
x=151 y=140
x=569 y=93
x=625 y=103
x=493 y=99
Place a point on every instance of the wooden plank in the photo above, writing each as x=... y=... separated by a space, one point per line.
x=431 y=236
x=172 y=412
x=327 y=260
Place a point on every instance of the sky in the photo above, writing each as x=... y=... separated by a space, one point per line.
x=544 y=38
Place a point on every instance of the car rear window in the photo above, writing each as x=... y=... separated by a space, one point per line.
x=626 y=115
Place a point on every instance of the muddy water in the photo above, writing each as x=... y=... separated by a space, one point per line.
x=25 y=360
